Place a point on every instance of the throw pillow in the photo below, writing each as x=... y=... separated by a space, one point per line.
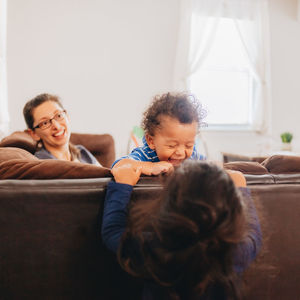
x=8 y=153
x=49 y=169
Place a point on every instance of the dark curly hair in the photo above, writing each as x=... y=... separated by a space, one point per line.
x=183 y=107
x=187 y=236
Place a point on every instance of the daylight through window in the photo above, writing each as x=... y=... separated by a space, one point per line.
x=225 y=83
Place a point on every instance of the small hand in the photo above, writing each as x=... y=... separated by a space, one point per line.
x=237 y=177
x=127 y=173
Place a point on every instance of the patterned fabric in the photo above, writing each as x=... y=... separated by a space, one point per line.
x=145 y=153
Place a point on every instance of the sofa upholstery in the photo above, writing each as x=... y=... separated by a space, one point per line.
x=51 y=244
x=18 y=162
x=102 y=146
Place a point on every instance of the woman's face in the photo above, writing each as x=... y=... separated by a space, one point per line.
x=57 y=135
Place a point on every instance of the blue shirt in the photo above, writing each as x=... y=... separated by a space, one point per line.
x=145 y=153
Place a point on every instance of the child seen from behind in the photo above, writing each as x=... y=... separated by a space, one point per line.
x=193 y=241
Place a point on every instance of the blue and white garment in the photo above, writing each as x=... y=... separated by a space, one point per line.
x=145 y=153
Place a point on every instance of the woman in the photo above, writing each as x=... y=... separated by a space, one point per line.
x=190 y=243
x=48 y=124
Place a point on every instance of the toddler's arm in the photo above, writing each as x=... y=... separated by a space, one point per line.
x=147 y=168
x=237 y=177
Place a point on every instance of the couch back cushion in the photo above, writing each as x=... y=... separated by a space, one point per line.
x=49 y=169
x=278 y=164
x=19 y=139
x=254 y=168
x=102 y=146
x=16 y=163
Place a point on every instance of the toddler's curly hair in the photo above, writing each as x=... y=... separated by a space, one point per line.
x=183 y=107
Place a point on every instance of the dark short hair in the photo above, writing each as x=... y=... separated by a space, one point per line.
x=183 y=107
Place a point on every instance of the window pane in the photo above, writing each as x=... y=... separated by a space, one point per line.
x=225 y=94
x=224 y=82
x=227 y=49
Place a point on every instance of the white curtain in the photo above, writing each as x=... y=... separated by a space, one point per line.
x=4 y=117
x=199 y=21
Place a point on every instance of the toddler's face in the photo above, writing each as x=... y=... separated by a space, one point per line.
x=173 y=141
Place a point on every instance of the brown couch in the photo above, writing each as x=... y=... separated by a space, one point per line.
x=102 y=146
x=50 y=229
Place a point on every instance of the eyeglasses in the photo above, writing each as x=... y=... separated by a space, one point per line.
x=59 y=116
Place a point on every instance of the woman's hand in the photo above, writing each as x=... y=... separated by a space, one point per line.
x=127 y=173
x=237 y=177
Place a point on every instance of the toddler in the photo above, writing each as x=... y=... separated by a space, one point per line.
x=170 y=124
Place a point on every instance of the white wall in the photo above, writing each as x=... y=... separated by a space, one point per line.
x=107 y=58
x=285 y=57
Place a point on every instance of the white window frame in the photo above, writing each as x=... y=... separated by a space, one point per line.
x=255 y=10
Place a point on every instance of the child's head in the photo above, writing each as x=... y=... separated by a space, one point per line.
x=195 y=224
x=171 y=123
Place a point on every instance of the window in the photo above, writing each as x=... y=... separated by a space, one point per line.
x=223 y=57
x=224 y=83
